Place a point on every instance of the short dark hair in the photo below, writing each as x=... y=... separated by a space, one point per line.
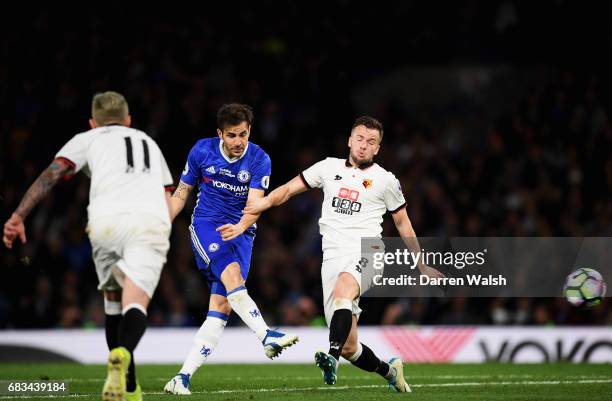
x=233 y=114
x=369 y=122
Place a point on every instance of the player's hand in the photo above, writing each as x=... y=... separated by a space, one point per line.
x=230 y=231
x=257 y=205
x=431 y=272
x=13 y=228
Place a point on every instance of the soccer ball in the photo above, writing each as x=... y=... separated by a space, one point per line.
x=584 y=287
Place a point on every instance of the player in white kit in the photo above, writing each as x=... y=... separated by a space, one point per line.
x=357 y=193
x=128 y=225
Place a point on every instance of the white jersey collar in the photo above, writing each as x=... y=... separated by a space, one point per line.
x=234 y=159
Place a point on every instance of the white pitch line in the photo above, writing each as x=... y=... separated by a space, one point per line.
x=372 y=377
x=505 y=383
x=328 y=388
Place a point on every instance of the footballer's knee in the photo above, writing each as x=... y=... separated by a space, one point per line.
x=232 y=277
x=219 y=303
x=346 y=287
x=133 y=294
x=350 y=348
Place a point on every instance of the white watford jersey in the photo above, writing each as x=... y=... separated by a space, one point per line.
x=355 y=200
x=127 y=169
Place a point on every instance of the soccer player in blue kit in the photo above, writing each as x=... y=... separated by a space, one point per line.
x=228 y=170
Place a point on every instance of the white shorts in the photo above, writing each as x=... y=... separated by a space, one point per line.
x=133 y=245
x=354 y=264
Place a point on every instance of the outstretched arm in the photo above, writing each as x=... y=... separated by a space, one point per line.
x=14 y=226
x=405 y=230
x=176 y=202
x=277 y=197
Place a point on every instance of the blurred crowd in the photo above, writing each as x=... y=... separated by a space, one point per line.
x=526 y=153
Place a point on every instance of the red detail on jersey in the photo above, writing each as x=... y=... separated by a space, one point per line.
x=71 y=166
x=206 y=180
x=350 y=194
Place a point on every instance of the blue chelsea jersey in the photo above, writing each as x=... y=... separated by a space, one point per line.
x=223 y=184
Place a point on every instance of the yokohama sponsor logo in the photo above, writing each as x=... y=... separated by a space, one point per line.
x=225 y=185
x=437 y=345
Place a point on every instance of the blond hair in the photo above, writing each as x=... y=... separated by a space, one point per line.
x=109 y=107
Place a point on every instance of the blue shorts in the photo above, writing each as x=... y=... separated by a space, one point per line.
x=213 y=255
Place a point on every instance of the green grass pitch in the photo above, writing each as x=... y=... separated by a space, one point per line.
x=303 y=382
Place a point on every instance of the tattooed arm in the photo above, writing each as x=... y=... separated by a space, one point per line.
x=14 y=226
x=176 y=203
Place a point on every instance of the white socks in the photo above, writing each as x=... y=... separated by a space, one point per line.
x=112 y=308
x=207 y=337
x=245 y=307
x=205 y=341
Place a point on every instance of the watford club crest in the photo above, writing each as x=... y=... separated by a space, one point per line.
x=367 y=183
